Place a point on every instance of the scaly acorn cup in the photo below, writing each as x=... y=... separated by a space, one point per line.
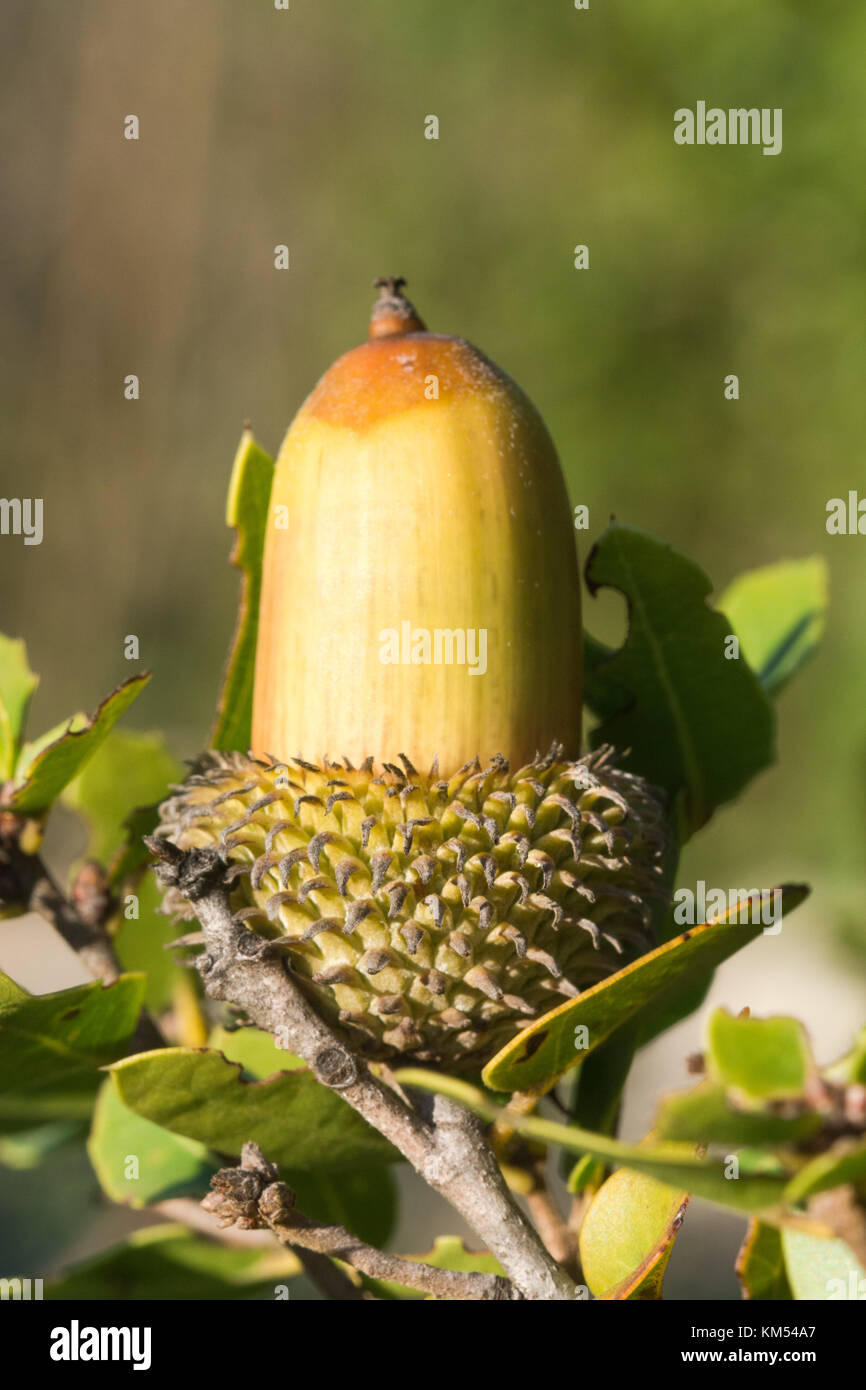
x=431 y=914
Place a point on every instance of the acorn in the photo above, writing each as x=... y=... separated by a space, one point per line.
x=423 y=596
x=436 y=877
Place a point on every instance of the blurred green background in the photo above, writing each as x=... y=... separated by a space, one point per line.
x=306 y=127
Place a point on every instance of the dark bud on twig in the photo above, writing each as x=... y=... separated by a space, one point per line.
x=237 y=1191
x=91 y=895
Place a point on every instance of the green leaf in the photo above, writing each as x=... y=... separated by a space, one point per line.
x=27 y=1148
x=758 y=1060
x=138 y=1162
x=778 y=612
x=628 y=1234
x=586 y=1173
x=760 y=1264
x=52 y=1046
x=247 y=511
x=131 y=770
x=599 y=694
x=449 y=1252
x=703 y=1115
x=595 y=1103
x=543 y=1052
x=169 y=1165
x=851 y=1069
x=364 y=1200
x=140 y=943
x=676 y=1005
x=29 y=750
x=697 y=724
x=169 y=1263
x=115 y=794
x=54 y=766
x=844 y=1163
x=295 y=1120
x=822 y=1270
x=17 y=684
x=675 y=1164
x=256 y=1051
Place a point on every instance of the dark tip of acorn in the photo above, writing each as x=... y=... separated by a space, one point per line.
x=393 y=313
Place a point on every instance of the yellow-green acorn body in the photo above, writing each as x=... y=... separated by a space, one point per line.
x=414 y=824
x=420 y=590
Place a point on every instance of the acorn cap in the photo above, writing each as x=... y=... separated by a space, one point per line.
x=433 y=918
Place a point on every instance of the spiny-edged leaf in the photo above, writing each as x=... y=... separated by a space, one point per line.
x=129 y=771
x=821 y=1270
x=543 y=1052
x=169 y=1263
x=293 y=1118
x=54 y=767
x=247 y=511
x=628 y=1234
x=449 y=1252
x=675 y=1164
x=844 y=1163
x=27 y=1148
x=17 y=684
x=778 y=612
x=705 y=1115
x=696 y=723
x=256 y=1051
x=364 y=1200
x=758 y=1060
x=138 y=1162
x=52 y=1046
x=760 y=1264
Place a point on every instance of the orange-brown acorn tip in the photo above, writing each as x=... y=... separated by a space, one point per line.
x=393 y=313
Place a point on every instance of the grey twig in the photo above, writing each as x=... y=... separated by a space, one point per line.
x=252 y=1196
x=328 y=1278
x=448 y=1150
x=554 y=1230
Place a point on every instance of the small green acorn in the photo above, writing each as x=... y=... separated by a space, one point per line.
x=430 y=913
